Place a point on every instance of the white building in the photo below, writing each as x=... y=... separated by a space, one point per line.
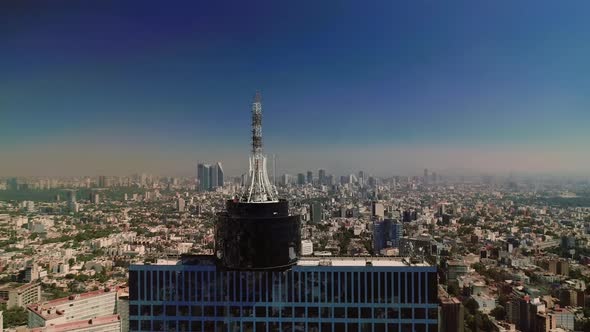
x=306 y=247
x=87 y=306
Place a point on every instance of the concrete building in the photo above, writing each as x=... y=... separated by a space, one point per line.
x=20 y=295
x=451 y=317
x=456 y=269
x=111 y=323
x=306 y=248
x=316 y=212
x=377 y=210
x=78 y=307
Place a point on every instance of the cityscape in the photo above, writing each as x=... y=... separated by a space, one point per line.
x=371 y=210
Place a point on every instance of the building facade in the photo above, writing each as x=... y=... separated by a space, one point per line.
x=317 y=294
x=20 y=295
x=74 y=308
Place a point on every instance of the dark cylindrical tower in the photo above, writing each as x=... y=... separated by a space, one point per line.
x=257 y=236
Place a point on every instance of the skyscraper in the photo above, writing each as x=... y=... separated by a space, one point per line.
x=210 y=176
x=316 y=212
x=102 y=181
x=310 y=177
x=256 y=280
x=203 y=175
x=322 y=176
x=386 y=233
x=300 y=179
x=220 y=175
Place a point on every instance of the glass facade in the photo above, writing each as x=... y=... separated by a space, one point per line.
x=201 y=297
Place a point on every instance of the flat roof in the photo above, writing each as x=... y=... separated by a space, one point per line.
x=79 y=324
x=358 y=261
x=44 y=309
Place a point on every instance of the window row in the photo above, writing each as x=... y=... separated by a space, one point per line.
x=294 y=286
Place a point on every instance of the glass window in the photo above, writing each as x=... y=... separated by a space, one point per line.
x=352 y=312
x=157 y=310
x=197 y=311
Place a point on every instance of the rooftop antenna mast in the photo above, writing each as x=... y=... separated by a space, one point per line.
x=259 y=188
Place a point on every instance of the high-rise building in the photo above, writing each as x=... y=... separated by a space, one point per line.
x=180 y=205
x=377 y=210
x=316 y=294
x=322 y=176
x=285 y=179
x=210 y=176
x=316 y=212
x=300 y=179
x=204 y=176
x=103 y=181
x=310 y=177
x=425 y=178
x=71 y=199
x=220 y=174
x=256 y=281
x=386 y=234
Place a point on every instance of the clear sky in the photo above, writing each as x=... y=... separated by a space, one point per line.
x=392 y=87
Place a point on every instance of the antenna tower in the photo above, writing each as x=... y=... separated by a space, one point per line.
x=259 y=188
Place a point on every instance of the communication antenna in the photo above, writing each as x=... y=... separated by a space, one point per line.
x=259 y=188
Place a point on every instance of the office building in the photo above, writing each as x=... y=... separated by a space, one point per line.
x=103 y=182
x=257 y=281
x=180 y=205
x=203 y=176
x=386 y=234
x=75 y=308
x=219 y=177
x=322 y=177
x=377 y=210
x=20 y=295
x=316 y=212
x=300 y=179
x=317 y=294
x=310 y=177
x=210 y=176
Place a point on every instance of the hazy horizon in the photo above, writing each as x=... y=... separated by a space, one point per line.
x=115 y=88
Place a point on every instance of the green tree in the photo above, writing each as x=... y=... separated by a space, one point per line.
x=471 y=306
x=499 y=313
x=14 y=316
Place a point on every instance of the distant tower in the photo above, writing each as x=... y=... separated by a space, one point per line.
x=204 y=177
x=220 y=175
x=300 y=179
x=310 y=177
x=322 y=176
x=259 y=188
x=425 y=175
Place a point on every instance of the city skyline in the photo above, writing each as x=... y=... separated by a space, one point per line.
x=401 y=87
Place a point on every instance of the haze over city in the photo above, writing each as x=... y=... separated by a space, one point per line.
x=115 y=88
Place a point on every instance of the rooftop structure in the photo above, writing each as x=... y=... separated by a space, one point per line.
x=259 y=189
x=73 y=308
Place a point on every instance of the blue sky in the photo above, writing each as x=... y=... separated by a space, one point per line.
x=388 y=86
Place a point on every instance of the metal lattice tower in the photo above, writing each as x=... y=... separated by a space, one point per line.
x=259 y=189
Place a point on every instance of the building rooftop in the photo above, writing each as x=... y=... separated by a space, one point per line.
x=47 y=309
x=16 y=286
x=78 y=325
x=358 y=261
